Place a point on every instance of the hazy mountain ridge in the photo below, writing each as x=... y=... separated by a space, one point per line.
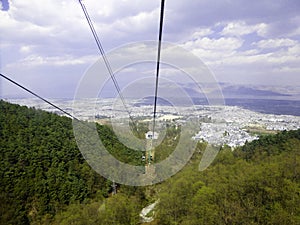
x=239 y=91
x=230 y=90
x=227 y=90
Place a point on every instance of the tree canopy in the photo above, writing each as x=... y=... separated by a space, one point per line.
x=45 y=180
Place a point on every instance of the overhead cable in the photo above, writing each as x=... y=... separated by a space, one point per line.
x=38 y=96
x=158 y=62
x=107 y=64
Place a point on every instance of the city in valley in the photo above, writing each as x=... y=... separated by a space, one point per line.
x=230 y=125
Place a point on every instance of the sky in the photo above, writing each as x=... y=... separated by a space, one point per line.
x=47 y=45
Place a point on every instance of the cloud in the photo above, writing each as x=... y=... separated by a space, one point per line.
x=240 y=28
x=275 y=43
x=137 y=26
x=201 y=32
x=221 y=44
x=26 y=49
x=211 y=50
x=33 y=60
x=232 y=37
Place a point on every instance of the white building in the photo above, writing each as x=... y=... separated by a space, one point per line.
x=149 y=135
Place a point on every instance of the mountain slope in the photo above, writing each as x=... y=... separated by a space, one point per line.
x=45 y=180
x=255 y=184
x=41 y=168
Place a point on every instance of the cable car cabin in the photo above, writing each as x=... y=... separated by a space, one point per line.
x=149 y=135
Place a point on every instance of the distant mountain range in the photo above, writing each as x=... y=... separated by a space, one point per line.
x=167 y=90
x=264 y=99
x=150 y=100
x=242 y=91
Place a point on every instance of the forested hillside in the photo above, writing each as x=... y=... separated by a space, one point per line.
x=45 y=180
x=255 y=184
x=42 y=171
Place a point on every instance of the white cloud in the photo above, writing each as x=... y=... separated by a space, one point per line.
x=222 y=44
x=141 y=22
x=288 y=69
x=237 y=58
x=275 y=43
x=211 y=50
x=37 y=22
x=53 y=34
x=25 y=49
x=240 y=28
x=258 y=60
x=34 y=60
x=202 y=32
x=294 y=50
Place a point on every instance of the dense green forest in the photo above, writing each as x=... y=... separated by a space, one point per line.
x=45 y=180
x=258 y=183
x=42 y=171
